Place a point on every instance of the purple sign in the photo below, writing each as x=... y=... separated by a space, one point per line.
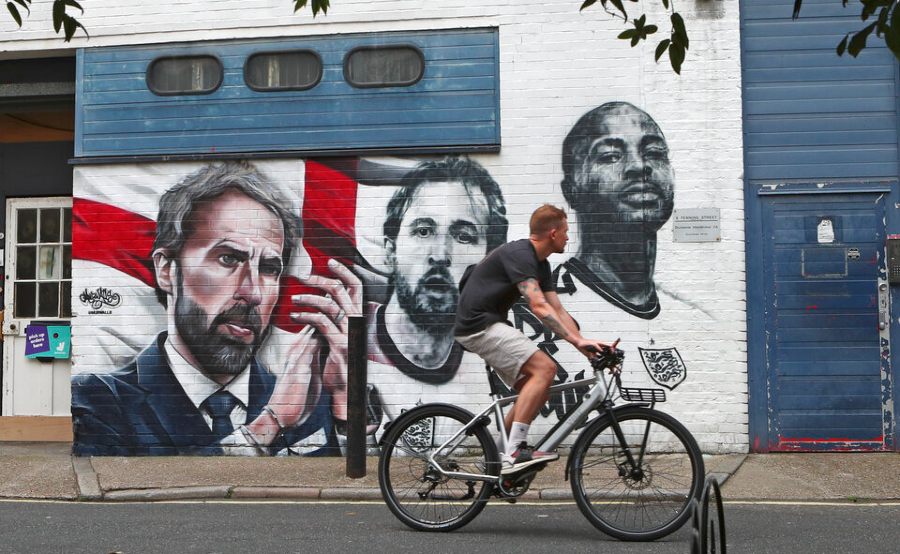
x=37 y=341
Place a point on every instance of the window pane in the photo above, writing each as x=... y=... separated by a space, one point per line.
x=283 y=71
x=24 y=301
x=26 y=262
x=65 y=299
x=67 y=224
x=48 y=299
x=50 y=262
x=194 y=75
x=67 y=261
x=50 y=225
x=27 y=231
x=384 y=67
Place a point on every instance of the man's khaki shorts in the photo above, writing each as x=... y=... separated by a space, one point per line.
x=503 y=347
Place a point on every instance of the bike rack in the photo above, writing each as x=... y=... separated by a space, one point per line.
x=709 y=526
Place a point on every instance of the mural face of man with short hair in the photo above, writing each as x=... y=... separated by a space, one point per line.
x=619 y=181
x=432 y=249
x=447 y=215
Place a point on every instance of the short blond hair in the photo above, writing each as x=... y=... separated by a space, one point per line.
x=545 y=219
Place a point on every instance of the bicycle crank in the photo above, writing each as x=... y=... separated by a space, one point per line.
x=515 y=485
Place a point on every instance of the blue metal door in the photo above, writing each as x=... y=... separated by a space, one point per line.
x=828 y=385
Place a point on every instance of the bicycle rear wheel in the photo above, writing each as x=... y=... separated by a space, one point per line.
x=414 y=489
x=646 y=495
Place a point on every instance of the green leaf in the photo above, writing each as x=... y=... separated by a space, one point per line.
x=14 y=12
x=619 y=6
x=650 y=29
x=797 y=4
x=587 y=4
x=843 y=45
x=71 y=25
x=892 y=33
x=59 y=12
x=74 y=4
x=661 y=48
x=676 y=56
x=679 y=30
x=25 y=4
x=627 y=34
x=893 y=42
x=320 y=6
x=858 y=41
x=665 y=4
x=882 y=21
x=69 y=28
x=317 y=6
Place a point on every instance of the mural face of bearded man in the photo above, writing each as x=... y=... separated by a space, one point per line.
x=446 y=215
x=227 y=280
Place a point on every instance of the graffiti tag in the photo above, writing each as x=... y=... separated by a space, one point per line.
x=96 y=299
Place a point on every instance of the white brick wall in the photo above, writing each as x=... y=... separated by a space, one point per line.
x=556 y=64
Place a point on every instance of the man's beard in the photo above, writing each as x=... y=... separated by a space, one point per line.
x=217 y=353
x=430 y=312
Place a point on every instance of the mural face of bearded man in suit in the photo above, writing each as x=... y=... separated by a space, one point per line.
x=224 y=239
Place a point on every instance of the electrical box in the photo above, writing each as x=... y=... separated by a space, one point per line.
x=893 y=259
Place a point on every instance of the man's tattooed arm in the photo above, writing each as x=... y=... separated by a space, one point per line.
x=532 y=291
x=555 y=326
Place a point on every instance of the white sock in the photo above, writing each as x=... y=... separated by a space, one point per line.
x=517 y=435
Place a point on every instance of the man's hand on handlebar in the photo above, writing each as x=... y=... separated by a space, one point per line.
x=597 y=349
x=591 y=348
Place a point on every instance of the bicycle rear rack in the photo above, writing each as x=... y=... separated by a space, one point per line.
x=633 y=394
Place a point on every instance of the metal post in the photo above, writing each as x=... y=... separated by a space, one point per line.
x=356 y=397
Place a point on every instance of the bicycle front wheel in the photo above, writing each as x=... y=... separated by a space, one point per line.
x=637 y=486
x=413 y=488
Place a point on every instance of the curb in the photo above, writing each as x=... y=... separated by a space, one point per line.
x=179 y=493
x=89 y=489
x=86 y=479
x=275 y=493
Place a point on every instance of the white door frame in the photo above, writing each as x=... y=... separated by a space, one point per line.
x=14 y=329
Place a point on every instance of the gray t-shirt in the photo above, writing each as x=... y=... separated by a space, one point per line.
x=490 y=288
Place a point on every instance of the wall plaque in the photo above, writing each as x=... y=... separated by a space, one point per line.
x=697 y=225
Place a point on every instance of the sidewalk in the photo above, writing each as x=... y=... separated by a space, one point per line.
x=48 y=471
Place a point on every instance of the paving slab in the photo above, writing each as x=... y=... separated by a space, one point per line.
x=116 y=473
x=820 y=476
x=39 y=473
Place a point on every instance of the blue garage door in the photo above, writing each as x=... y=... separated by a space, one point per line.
x=822 y=258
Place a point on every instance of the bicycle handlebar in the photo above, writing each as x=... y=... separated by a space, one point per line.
x=608 y=358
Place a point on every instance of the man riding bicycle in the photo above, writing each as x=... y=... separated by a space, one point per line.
x=487 y=292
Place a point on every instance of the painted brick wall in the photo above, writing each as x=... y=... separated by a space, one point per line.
x=556 y=65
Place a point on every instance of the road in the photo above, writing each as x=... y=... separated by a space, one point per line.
x=230 y=526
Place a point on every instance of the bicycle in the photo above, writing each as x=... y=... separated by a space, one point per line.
x=634 y=471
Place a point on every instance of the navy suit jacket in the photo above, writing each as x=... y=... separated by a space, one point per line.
x=141 y=409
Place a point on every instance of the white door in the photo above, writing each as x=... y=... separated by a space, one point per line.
x=38 y=269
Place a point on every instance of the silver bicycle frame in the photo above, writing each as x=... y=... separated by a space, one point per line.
x=593 y=398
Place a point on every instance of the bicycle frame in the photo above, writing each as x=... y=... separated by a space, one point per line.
x=595 y=396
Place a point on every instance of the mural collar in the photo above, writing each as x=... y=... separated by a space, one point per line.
x=434 y=376
x=574 y=266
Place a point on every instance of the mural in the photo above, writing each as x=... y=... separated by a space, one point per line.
x=619 y=182
x=223 y=239
x=233 y=283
